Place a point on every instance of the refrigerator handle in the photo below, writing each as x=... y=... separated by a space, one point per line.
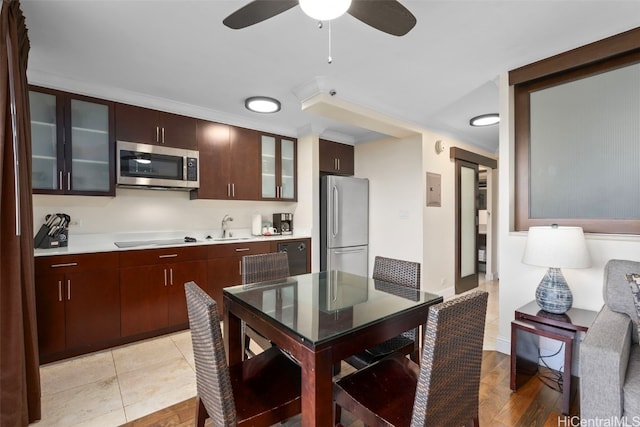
x=336 y=227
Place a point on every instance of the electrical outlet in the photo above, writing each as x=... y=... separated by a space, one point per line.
x=76 y=222
x=443 y=281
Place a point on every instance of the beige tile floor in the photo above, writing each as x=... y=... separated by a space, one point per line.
x=111 y=387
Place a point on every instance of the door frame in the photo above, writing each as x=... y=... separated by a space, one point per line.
x=464 y=158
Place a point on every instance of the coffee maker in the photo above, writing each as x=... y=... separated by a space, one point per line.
x=283 y=223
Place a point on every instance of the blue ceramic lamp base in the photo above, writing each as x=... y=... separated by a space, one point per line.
x=553 y=293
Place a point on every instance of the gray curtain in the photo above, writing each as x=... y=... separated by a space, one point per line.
x=19 y=364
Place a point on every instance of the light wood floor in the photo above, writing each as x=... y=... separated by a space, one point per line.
x=533 y=405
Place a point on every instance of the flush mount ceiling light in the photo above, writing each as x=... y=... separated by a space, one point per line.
x=262 y=104
x=485 y=120
x=325 y=10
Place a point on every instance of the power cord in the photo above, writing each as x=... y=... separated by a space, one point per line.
x=553 y=379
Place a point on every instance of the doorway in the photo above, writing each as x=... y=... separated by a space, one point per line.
x=472 y=213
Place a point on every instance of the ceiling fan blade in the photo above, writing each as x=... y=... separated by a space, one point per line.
x=257 y=11
x=384 y=15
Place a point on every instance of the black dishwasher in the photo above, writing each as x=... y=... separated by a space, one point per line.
x=297 y=253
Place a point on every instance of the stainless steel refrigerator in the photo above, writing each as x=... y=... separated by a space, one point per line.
x=344 y=224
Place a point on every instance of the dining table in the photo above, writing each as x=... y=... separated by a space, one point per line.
x=320 y=319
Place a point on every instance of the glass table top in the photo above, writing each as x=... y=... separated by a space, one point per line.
x=320 y=306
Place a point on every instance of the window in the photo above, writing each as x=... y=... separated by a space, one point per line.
x=577 y=130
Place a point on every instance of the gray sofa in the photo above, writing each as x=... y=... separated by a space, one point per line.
x=609 y=353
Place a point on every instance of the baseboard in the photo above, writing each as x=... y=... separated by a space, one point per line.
x=503 y=345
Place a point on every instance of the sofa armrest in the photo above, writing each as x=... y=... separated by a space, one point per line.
x=604 y=355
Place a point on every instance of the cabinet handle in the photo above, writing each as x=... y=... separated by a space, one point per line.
x=60 y=290
x=163 y=135
x=66 y=264
x=69 y=181
x=242 y=249
x=165 y=277
x=171 y=276
x=68 y=289
x=338 y=163
x=240 y=268
x=168 y=256
x=228 y=190
x=157 y=133
x=60 y=180
x=233 y=190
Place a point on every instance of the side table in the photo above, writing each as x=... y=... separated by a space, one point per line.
x=531 y=323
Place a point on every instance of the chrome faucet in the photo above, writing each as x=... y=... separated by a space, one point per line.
x=225 y=220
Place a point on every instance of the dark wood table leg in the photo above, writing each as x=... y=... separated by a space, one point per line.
x=232 y=336
x=317 y=389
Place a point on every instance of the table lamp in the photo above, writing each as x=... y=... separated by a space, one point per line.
x=555 y=247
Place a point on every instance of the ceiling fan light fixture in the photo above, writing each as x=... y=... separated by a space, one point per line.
x=325 y=10
x=485 y=120
x=262 y=104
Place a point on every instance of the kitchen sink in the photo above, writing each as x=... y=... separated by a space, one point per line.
x=225 y=239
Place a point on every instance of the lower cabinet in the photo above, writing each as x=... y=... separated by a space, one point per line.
x=77 y=303
x=89 y=302
x=152 y=287
x=224 y=267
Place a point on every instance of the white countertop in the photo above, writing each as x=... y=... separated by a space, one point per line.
x=91 y=243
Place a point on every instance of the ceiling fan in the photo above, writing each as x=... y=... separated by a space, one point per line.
x=388 y=16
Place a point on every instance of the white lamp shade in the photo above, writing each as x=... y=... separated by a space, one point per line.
x=325 y=10
x=556 y=247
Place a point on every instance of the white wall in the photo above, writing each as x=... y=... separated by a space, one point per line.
x=307 y=215
x=401 y=225
x=439 y=222
x=134 y=210
x=394 y=170
x=518 y=281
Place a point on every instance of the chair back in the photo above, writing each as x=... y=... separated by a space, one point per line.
x=449 y=379
x=406 y=273
x=263 y=267
x=400 y=272
x=212 y=374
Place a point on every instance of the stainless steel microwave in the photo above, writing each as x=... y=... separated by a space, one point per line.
x=154 y=166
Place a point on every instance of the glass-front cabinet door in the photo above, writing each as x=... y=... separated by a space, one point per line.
x=90 y=165
x=268 y=167
x=287 y=169
x=72 y=146
x=278 y=168
x=46 y=172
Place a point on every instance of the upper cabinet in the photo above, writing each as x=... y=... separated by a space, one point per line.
x=336 y=158
x=143 y=125
x=229 y=162
x=278 y=156
x=72 y=143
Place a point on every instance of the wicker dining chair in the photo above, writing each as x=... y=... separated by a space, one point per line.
x=404 y=273
x=261 y=391
x=441 y=391
x=255 y=269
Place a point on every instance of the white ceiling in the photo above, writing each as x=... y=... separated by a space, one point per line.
x=438 y=76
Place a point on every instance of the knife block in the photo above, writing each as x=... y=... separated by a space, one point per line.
x=44 y=241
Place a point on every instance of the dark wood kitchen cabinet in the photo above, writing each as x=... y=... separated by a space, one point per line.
x=152 y=287
x=143 y=125
x=77 y=304
x=72 y=144
x=224 y=267
x=278 y=168
x=229 y=162
x=336 y=158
